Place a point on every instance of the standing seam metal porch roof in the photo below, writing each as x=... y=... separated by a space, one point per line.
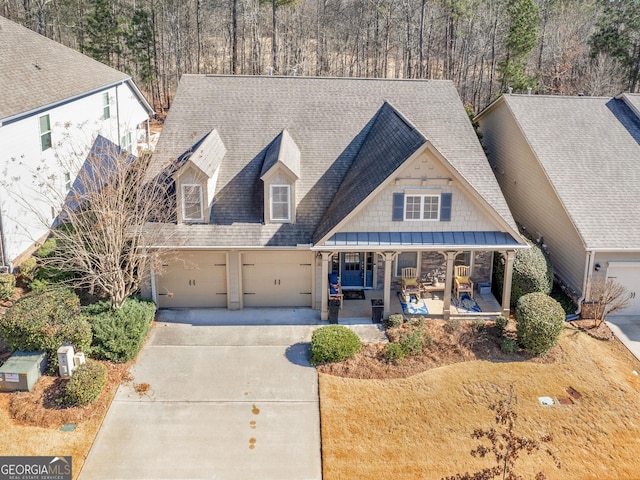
x=337 y=124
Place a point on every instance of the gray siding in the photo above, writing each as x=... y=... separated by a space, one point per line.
x=529 y=194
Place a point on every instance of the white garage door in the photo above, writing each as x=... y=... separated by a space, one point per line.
x=628 y=274
x=276 y=279
x=193 y=279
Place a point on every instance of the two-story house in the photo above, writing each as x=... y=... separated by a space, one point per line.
x=55 y=101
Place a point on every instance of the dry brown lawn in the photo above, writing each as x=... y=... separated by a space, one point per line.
x=419 y=427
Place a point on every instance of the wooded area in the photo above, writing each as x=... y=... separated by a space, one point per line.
x=563 y=47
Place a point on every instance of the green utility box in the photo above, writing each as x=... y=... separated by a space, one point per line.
x=21 y=371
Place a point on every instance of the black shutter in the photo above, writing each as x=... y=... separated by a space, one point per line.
x=398 y=207
x=445 y=207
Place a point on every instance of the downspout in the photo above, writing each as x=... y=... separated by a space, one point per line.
x=3 y=260
x=119 y=139
x=586 y=285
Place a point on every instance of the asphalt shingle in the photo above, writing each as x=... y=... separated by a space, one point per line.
x=37 y=72
x=589 y=147
x=329 y=119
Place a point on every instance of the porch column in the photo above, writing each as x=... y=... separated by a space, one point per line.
x=448 y=283
x=324 y=286
x=506 y=286
x=388 y=268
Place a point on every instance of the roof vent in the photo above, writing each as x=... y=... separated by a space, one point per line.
x=271 y=71
x=293 y=72
x=528 y=90
x=510 y=90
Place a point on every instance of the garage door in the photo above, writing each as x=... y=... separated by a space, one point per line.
x=276 y=279
x=193 y=279
x=628 y=274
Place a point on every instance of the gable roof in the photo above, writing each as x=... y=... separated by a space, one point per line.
x=37 y=72
x=391 y=140
x=337 y=123
x=283 y=150
x=207 y=154
x=589 y=148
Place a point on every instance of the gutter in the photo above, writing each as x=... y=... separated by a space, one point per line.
x=586 y=283
x=44 y=108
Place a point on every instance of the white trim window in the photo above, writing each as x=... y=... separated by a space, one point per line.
x=405 y=260
x=280 y=199
x=192 y=202
x=126 y=142
x=422 y=207
x=106 y=106
x=45 y=132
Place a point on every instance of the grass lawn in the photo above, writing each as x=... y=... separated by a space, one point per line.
x=420 y=427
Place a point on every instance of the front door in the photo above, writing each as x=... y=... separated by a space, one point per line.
x=352 y=272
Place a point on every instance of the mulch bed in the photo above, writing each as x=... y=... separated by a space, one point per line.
x=590 y=327
x=463 y=344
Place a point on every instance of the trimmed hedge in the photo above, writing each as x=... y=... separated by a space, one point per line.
x=540 y=320
x=118 y=335
x=333 y=343
x=85 y=385
x=532 y=272
x=7 y=286
x=44 y=321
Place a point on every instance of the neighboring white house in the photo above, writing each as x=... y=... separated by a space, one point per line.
x=54 y=102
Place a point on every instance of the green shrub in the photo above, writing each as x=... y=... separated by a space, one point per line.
x=479 y=324
x=45 y=321
x=47 y=248
x=509 y=345
x=412 y=343
x=52 y=275
x=394 y=352
x=118 y=335
x=85 y=385
x=396 y=320
x=28 y=268
x=333 y=343
x=532 y=272
x=39 y=285
x=7 y=286
x=501 y=324
x=540 y=320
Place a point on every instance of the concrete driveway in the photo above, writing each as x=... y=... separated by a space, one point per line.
x=627 y=329
x=231 y=396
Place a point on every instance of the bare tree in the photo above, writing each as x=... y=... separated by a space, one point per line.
x=110 y=213
x=505 y=445
x=607 y=296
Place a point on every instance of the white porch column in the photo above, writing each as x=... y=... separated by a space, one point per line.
x=388 y=268
x=324 y=286
x=448 y=283
x=506 y=286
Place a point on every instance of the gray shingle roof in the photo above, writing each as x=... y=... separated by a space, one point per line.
x=36 y=72
x=209 y=153
x=589 y=148
x=283 y=150
x=389 y=142
x=329 y=118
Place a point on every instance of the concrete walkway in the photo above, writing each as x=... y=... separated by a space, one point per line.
x=627 y=329
x=231 y=395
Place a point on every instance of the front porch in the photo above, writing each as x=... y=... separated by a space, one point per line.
x=434 y=303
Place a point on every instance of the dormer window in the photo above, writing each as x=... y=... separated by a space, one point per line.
x=280 y=203
x=192 y=210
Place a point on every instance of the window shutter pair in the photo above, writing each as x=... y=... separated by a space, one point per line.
x=398 y=207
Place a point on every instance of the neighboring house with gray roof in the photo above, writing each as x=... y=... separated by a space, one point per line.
x=569 y=168
x=55 y=102
x=313 y=176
